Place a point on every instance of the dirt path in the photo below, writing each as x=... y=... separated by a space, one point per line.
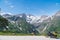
x=25 y=38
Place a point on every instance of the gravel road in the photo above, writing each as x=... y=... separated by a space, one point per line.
x=26 y=38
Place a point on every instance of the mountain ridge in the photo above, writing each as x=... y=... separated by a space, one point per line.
x=41 y=23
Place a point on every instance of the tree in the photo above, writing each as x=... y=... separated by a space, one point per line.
x=3 y=23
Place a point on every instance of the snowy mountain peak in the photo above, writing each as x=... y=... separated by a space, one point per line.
x=29 y=18
x=37 y=19
x=32 y=19
x=4 y=13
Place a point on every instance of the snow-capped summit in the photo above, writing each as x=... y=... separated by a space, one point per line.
x=37 y=19
x=6 y=14
x=29 y=18
x=32 y=18
x=3 y=13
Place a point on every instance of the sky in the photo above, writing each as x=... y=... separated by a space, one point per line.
x=34 y=7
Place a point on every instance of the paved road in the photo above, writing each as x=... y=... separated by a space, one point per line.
x=25 y=38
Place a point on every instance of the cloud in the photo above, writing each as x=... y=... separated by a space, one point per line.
x=11 y=6
x=57 y=4
x=2 y=13
x=9 y=13
x=8 y=3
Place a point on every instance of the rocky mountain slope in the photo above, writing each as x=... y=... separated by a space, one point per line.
x=30 y=23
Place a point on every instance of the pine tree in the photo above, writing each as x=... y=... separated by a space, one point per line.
x=3 y=23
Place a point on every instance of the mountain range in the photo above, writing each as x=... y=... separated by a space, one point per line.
x=38 y=24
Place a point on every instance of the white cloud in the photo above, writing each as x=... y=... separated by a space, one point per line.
x=57 y=4
x=2 y=13
x=11 y=6
x=8 y=3
x=9 y=13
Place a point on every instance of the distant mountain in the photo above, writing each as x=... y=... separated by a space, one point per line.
x=37 y=21
x=29 y=18
x=57 y=14
x=42 y=23
x=55 y=23
x=6 y=15
x=18 y=23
